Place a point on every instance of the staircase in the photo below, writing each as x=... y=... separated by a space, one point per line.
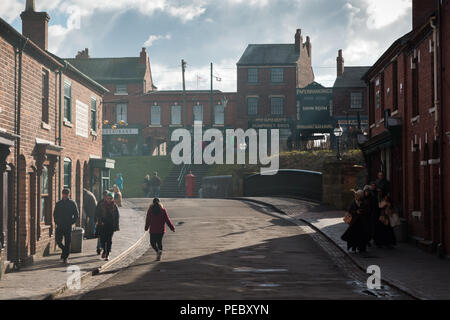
x=174 y=184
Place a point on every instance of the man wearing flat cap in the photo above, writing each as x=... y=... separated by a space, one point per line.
x=65 y=215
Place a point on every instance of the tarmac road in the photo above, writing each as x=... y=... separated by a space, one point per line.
x=230 y=250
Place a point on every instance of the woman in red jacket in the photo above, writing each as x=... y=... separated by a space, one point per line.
x=157 y=219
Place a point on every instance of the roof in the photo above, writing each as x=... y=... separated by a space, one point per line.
x=269 y=54
x=352 y=78
x=106 y=70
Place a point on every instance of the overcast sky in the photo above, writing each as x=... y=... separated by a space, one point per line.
x=218 y=31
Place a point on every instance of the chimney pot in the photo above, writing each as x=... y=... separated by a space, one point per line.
x=298 y=40
x=340 y=64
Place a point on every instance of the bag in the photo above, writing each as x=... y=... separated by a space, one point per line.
x=348 y=218
x=394 y=220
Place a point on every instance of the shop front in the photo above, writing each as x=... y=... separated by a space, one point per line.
x=122 y=141
x=100 y=176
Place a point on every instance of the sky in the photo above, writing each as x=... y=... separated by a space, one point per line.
x=218 y=31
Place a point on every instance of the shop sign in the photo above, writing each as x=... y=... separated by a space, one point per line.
x=120 y=131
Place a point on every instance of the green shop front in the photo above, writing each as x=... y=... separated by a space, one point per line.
x=100 y=173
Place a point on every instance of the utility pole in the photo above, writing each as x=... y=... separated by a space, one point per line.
x=183 y=69
x=211 y=107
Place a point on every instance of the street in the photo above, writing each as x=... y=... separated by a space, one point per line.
x=225 y=249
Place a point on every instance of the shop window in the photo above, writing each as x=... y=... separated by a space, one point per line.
x=45 y=95
x=252 y=106
x=198 y=113
x=252 y=75
x=44 y=194
x=93 y=114
x=176 y=115
x=156 y=115
x=276 y=106
x=219 y=114
x=121 y=112
x=67 y=173
x=277 y=75
x=67 y=101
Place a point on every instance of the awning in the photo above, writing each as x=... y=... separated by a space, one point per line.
x=102 y=163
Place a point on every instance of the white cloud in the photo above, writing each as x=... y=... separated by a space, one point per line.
x=259 y=3
x=10 y=9
x=152 y=38
x=384 y=12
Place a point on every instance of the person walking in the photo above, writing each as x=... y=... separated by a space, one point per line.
x=156 y=221
x=383 y=185
x=155 y=182
x=146 y=186
x=89 y=205
x=117 y=196
x=119 y=181
x=384 y=232
x=65 y=215
x=107 y=216
x=96 y=232
x=357 y=234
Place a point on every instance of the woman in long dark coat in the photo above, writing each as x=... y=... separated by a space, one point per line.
x=107 y=218
x=384 y=233
x=357 y=235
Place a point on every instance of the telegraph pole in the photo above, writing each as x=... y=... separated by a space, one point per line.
x=183 y=69
x=211 y=107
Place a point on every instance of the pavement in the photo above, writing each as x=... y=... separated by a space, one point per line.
x=408 y=268
x=47 y=276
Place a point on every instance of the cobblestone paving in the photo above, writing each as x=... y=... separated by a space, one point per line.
x=420 y=274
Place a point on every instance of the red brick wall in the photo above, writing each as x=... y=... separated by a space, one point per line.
x=342 y=102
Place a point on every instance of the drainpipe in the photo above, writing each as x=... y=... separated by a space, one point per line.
x=18 y=167
x=60 y=72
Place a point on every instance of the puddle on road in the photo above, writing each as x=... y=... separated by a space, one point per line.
x=253 y=270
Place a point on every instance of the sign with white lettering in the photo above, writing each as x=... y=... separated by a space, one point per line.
x=82 y=119
x=314 y=107
x=120 y=131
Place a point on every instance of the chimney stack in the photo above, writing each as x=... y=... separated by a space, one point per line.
x=84 y=54
x=308 y=45
x=340 y=64
x=35 y=25
x=144 y=56
x=298 y=40
x=421 y=11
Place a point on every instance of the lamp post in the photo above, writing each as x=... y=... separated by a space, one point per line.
x=338 y=133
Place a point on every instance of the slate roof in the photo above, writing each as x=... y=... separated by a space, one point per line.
x=352 y=78
x=269 y=54
x=107 y=70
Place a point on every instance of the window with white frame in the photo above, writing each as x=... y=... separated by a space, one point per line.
x=356 y=100
x=252 y=106
x=276 y=106
x=198 y=113
x=176 y=114
x=121 y=112
x=67 y=173
x=44 y=193
x=276 y=75
x=67 y=101
x=94 y=114
x=377 y=99
x=121 y=89
x=252 y=75
x=219 y=114
x=156 y=115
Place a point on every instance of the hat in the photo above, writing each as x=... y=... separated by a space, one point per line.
x=66 y=191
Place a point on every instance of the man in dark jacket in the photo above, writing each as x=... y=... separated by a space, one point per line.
x=155 y=182
x=65 y=215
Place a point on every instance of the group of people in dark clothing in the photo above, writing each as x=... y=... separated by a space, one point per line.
x=152 y=184
x=105 y=222
x=371 y=217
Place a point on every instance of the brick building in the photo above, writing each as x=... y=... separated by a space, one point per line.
x=267 y=78
x=50 y=137
x=409 y=124
x=350 y=100
x=139 y=119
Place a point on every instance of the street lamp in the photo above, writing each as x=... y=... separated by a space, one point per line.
x=338 y=133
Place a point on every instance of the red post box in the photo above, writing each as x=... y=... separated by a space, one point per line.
x=190 y=185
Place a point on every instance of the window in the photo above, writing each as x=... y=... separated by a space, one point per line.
x=219 y=114
x=156 y=115
x=45 y=94
x=121 y=112
x=252 y=75
x=198 y=113
x=67 y=101
x=44 y=193
x=356 y=100
x=252 y=106
x=276 y=106
x=377 y=99
x=276 y=75
x=176 y=115
x=94 y=114
x=67 y=172
x=121 y=89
